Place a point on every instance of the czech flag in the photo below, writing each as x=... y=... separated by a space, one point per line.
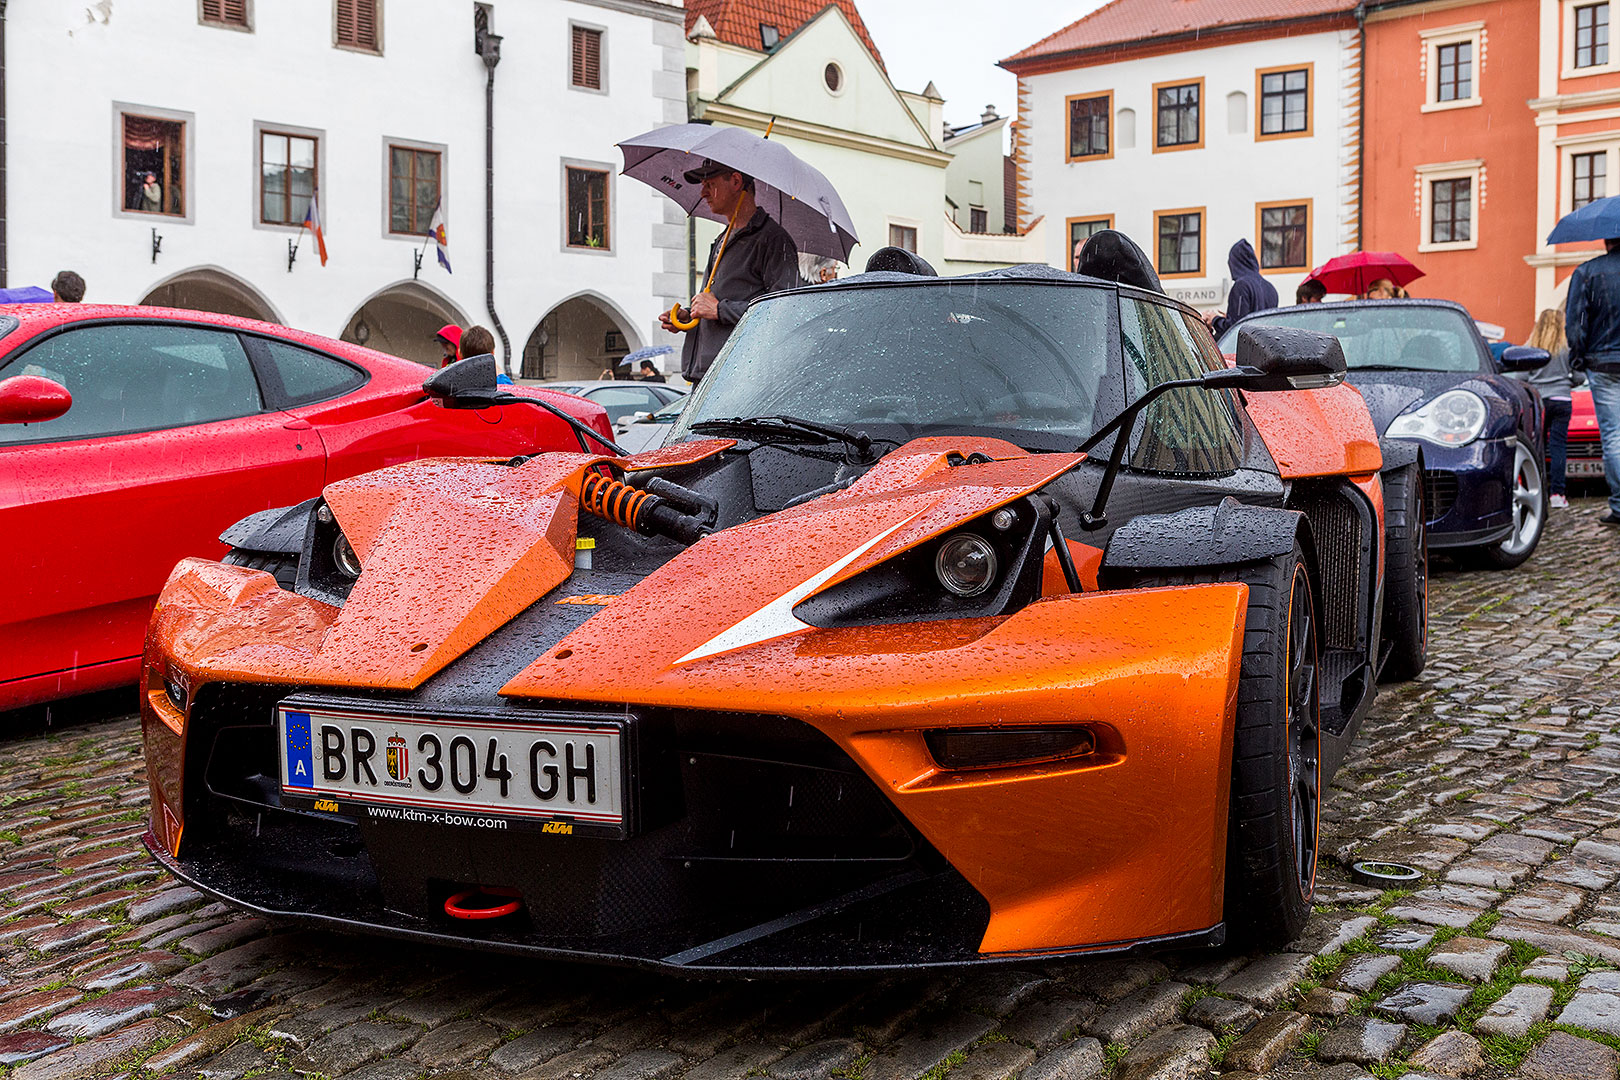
x=312 y=222
x=441 y=236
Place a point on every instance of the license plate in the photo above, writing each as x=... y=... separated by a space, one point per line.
x=459 y=771
x=1573 y=467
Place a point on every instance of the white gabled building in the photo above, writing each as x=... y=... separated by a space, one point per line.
x=1192 y=124
x=808 y=71
x=240 y=107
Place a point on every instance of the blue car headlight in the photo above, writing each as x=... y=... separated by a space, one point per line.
x=1454 y=418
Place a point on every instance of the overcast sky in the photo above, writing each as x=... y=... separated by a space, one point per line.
x=957 y=43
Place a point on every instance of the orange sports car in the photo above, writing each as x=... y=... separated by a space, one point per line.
x=958 y=620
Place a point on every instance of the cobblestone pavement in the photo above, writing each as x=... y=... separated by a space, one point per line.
x=1497 y=773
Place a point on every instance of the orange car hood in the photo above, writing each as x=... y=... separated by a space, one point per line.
x=737 y=588
x=453 y=549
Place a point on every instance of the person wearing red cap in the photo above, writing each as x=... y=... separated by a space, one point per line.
x=449 y=338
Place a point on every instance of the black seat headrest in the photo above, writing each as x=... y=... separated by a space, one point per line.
x=899 y=261
x=1113 y=256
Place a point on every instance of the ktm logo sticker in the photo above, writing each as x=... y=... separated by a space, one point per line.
x=598 y=599
x=326 y=804
x=562 y=827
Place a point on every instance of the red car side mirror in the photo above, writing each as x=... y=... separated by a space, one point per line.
x=32 y=399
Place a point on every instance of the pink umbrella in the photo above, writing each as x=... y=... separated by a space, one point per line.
x=1354 y=273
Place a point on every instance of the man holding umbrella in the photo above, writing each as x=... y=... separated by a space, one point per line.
x=753 y=257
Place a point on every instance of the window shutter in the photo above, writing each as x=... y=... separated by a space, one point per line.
x=357 y=23
x=587 y=58
x=235 y=11
x=214 y=10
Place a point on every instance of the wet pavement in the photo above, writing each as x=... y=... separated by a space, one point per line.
x=1497 y=773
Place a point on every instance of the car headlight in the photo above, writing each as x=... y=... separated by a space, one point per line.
x=1455 y=418
x=966 y=565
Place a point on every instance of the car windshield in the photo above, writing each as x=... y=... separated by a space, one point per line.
x=970 y=356
x=1406 y=337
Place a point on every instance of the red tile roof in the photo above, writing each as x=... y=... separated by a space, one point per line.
x=737 y=22
x=1136 y=22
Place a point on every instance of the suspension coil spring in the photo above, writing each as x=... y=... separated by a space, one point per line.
x=614 y=500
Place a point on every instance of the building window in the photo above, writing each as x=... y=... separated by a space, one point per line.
x=587 y=58
x=1180 y=117
x=1088 y=126
x=154 y=166
x=978 y=220
x=1451 y=218
x=287 y=177
x=225 y=13
x=1181 y=246
x=357 y=24
x=1285 y=102
x=1285 y=235
x=1591 y=35
x=1588 y=178
x=903 y=236
x=588 y=208
x=413 y=189
x=1081 y=230
x=1455 y=74
x=832 y=76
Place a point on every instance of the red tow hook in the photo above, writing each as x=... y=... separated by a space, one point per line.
x=483 y=902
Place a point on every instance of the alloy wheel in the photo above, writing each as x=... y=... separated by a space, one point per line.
x=1529 y=504
x=1304 y=737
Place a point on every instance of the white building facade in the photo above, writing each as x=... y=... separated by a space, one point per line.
x=1192 y=139
x=241 y=109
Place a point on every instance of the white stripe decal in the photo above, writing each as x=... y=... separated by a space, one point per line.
x=776 y=619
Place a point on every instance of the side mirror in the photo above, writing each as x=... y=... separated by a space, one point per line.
x=1282 y=358
x=465 y=384
x=32 y=399
x=1523 y=358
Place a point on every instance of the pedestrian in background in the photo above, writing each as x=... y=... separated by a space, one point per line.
x=1555 y=382
x=449 y=339
x=759 y=257
x=1310 y=291
x=1592 y=324
x=152 y=195
x=67 y=288
x=649 y=372
x=1250 y=292
x=1385 y=289
x=476 y=341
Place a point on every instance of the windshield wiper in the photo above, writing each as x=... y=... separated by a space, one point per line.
x=788 y=429
x=1390 y=367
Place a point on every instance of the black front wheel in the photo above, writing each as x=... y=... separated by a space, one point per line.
x=1273 y=830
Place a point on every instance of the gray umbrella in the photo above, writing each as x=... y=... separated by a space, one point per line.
x=801 y=200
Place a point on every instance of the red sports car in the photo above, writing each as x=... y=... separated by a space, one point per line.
x=180 y=423
x=1585 y=457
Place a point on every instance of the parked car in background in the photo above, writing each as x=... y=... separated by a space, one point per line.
x=620 y=397
x=132 y=437
x=1585 y=457
x=643 y=431
x=1429 y=377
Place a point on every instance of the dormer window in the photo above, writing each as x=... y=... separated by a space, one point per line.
x=769 y=37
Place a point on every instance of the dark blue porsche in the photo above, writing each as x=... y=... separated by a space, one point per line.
x=1429 y=378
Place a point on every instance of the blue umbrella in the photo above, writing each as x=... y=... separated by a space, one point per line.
x=646 y=354
x=1597 y=220
x=26 y=294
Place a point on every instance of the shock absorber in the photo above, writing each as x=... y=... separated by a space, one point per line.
x=646 y=513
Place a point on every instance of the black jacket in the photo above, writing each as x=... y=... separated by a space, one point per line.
x=1250 y=292
x=759 y=258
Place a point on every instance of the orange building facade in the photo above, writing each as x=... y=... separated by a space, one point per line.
x=1576 y=113
x=1452 y=160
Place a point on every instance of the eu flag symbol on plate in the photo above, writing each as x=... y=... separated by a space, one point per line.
x=300 y=765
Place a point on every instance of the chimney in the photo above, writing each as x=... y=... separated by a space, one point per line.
x=988 y=115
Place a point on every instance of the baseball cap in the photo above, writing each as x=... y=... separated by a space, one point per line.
x=709 y=168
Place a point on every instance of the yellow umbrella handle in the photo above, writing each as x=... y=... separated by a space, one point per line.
x=675 y=312
x=680 y=324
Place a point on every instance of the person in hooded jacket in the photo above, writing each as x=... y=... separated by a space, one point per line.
x=1250 y=292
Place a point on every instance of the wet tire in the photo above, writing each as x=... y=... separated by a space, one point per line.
x=284 y=568
x=1529 y=507
x=1274 y=827
x=1406 y=574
